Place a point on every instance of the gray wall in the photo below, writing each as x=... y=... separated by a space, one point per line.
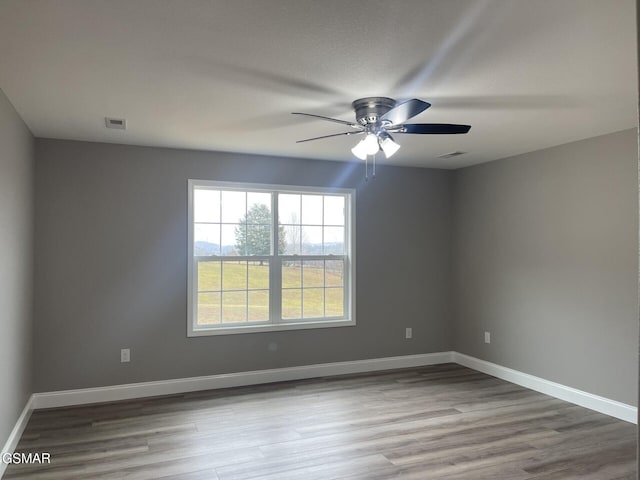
x=111 y=265
x=16 y=190
x=546 y=258
x=539 y=249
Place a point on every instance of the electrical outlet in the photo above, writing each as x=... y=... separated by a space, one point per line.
x=487 y=337
x=408 y=333
x=125 y=355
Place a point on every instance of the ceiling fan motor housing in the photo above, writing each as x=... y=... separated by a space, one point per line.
x=370 y=109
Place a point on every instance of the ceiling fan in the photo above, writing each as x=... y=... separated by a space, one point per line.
x=378 y=117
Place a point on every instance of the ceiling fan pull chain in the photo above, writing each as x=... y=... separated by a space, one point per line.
x=366 y=168
x=374 y=167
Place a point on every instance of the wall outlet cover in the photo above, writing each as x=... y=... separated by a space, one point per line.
x=125 y=355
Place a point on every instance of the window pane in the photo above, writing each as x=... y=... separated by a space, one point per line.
x=291 y=304
x=234 y=276
x=258 y=240
x=333 y=210
x=312 y=209
x=208 y=276
x=333 y=240
x=259 y=274
x=208 y=308
x=259 y=200
x=311 y=241
x=289 y=208
x=234 y=307
x=258 y=305
x=333 y=274
x=234 y=206
x=206 y=239
x=258 y=214
x=334 y=298
x=292 y=237
x=282 y=240
x=312 y=302
x=206 y=205
x=313 y=273
x=291 y=274
x=233 y=237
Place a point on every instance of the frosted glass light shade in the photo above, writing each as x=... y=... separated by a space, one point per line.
x=389 y=147
x=371 y=144
x=360 y=150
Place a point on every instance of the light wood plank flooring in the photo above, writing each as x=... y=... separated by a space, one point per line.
x=437 y=422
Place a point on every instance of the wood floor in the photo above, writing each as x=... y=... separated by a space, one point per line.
x=438 y=422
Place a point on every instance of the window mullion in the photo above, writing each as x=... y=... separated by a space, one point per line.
x=302 y=288
x=275 y=267
x=324 y=287
x=347 y=297
x=246 y=292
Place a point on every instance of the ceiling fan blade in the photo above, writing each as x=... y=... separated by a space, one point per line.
x=328 y=136
x=432 y=128
x=343 y=122
x=405 y=111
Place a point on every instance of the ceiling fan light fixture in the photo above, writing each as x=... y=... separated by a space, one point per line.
x=367 y=146
x=370 y=144
x=389 y=147
x=360 y=150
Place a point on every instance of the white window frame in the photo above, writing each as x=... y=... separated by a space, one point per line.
x=275 y=288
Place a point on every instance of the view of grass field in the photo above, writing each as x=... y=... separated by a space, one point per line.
x=238 y=291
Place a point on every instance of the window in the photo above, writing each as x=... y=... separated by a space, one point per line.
x=265 y=257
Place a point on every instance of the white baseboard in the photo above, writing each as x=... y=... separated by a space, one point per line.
x=16 y=433
x=182 y=385
x=600 y=404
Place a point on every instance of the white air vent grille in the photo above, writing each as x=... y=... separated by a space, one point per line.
x=451 y=154
x=119 y=123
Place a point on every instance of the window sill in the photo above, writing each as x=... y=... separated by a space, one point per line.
x=203 y=332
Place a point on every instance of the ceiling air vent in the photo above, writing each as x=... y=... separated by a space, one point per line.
x=451 y=154
x=119 y=123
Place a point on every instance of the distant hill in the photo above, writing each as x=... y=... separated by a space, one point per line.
x=207 y=249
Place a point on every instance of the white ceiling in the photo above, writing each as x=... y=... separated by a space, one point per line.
x=225 y=75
